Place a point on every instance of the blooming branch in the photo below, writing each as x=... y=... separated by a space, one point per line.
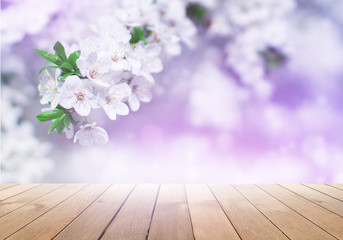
x=114 y=65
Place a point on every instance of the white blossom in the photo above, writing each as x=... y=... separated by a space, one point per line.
x=112 y=100
x=24 y=158
x=49 y=89
x=119 y=56
x=91 y=133
x=94 y=67
x=144 y=60
x=77 y=94
x=252 y=27
x=9 y=114
x=141 y=92
x=14 y=29
x=171 y=27
x=117 y=62
x=110 y=27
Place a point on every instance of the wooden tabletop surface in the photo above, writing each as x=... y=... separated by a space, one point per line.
x=169 y=211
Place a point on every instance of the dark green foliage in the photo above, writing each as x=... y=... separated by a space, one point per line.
x=67 y=65
x=139 y=35
x=273 y=58
x=196 y=12
x=61 y=119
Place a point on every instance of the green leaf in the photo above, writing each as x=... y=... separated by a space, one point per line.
x=273 y=58
x=47 y=68
x=67 y=67
x=67 y=121
x=63 y=76
x=59 y=107
x=78 y=73
x=196 y=12
x=59 y=51
x=60 y=127
x=56 y=123
x=72 y=59
x=49 y=56
x=137 y=35
x=49 y=115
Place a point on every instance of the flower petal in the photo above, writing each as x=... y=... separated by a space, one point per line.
x=100 y=136
x=82 y=108
x=134 y=102
x=67 y=100
x=144 y=95
x=122 y=90
x=110 y=111
x=84 y=135
x=121 y=108
x=86 y=140
x=72 y=83
x=55 y=101
x=154 y=66
x=135 y=64
x=148 y=77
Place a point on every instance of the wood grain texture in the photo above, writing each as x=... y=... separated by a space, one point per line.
x=249 y=222
x=208 y=219
x=290 y=222
x=12 y=191
x=170 y=212
x=133 y=220
x=95 y=218
x=19 y=218
x=171 y=220
x=21 y=199
x=330 y=222
x=5 y=186
x=331 y=191
x=51 y=223
x=319 y=198
x=339 y=186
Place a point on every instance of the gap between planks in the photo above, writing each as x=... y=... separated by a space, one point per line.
x=321 y=217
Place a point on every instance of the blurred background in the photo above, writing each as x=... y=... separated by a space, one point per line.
x=258 y=99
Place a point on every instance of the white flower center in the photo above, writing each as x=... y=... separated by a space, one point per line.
x=110 y=99
x=80 y=96
x=93 y=73
x=134 y=88
x=115 y=58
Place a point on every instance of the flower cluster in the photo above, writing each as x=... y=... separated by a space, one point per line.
x=257 y=38
x=113 y=67
x=27 y=160
x=34 y=12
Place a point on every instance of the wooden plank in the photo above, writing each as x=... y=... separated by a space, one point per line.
x=208 y=219
x=249 y=222
x=323 y=218
x=339 y=186
x=95 y=218
x=51 y=223
x=9 y=192
x=171 y=218
x=5 y=186
x=17 y=219
x=133 y=220
x=290 y=222
x=21 y=199
x=319 y=198
x=331 y=191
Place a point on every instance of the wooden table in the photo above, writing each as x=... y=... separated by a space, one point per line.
x=152 y=211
